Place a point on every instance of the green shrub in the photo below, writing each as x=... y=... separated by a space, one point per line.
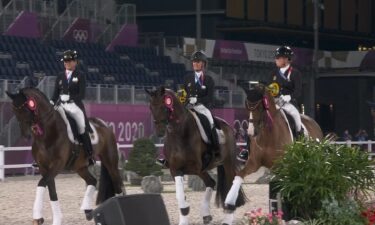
x=344 y=213
x=142 y=158
x=312 y=171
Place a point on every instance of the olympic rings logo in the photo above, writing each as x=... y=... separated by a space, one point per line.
x=80 y=35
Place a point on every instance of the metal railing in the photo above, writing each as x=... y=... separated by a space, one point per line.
x=127 y=146
x=126 y=14
x=14 y=7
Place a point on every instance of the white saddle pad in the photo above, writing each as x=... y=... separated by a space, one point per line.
x=204 y=136
x=94 y=136
x=305 y=131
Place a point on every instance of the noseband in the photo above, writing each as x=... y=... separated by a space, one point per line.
x=266 y=105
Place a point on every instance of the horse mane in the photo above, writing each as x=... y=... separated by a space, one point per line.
x=39 y=92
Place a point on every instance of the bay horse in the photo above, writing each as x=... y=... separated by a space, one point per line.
x=53 y=151
x=269 y=134
x=184 y=149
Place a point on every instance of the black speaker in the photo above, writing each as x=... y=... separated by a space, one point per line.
x=139 y=209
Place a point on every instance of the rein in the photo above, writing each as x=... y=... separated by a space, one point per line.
x=253 y=106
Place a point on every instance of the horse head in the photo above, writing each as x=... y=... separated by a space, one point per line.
x=163 y=105
x=30 y=107
x=260 y=104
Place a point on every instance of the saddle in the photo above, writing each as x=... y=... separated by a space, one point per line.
x=292 y=124
x=205 y=127
x=72 y=130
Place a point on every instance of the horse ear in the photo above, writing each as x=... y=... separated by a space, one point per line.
x=162 y=90
x=149 y=92
x=10 y=95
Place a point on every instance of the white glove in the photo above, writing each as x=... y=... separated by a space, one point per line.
x=286 y=98
x=193 y=100
x=51 y=102
x=64 y=98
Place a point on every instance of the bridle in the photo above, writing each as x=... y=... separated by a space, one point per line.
x=169 y=109
x=264 y=101
x=31 y=105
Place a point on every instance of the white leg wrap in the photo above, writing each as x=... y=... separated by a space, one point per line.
x=180 y=195
x=228 y=218
x=205 y=209
x=56 y=212
x=88 y=199
x=183 y=220
x=233 y=192
x=38 y=203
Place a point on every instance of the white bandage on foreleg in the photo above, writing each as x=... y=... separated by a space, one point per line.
x=228 y=218
x=38 y=203
x=205 y=210
x=56 y=212
x=233 y=192
x=250 y=128
x=180 y=195
x=88 y=199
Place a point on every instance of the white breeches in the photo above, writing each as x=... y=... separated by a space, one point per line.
x=76 y=113
x=293 y=112
x=206 y=112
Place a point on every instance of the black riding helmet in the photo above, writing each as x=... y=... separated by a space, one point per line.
x=69 y=55
x=284 y=51
x=199 y=56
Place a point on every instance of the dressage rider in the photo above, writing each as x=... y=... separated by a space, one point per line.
x=69 y=92
x=200 y=93
x=289 y=80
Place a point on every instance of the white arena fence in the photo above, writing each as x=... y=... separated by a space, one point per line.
x=127 y=146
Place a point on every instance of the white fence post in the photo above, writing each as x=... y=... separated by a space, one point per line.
x=2 y=170
x=369 y=149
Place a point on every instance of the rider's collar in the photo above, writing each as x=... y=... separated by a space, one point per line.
x=283 y=69
x=198 y=73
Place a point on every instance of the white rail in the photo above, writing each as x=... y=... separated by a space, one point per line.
x=120 y=146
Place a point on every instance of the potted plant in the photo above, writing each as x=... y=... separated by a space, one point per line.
x=142 y=160
x=312 y=173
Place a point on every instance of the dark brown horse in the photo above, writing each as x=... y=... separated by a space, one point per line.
x=270 y=135
x=184 y=149
x=53 y=151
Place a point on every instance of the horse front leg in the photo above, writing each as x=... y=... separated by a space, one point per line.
x=38 y=203
x=181 y=200
x=55 y=205
x=205 y=208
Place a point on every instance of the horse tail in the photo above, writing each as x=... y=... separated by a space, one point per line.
x=106 y=188
x=227 y=172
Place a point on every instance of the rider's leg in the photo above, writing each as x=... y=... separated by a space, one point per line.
x=244 y=154
x=293 y=112
x=77 y=114
x=214 y=137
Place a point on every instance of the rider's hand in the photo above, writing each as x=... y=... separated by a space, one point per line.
x=51 y=102
x=64 y=98
x=286 y=98
x=193 y=100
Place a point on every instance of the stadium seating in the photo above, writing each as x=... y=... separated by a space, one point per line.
x=126 y=65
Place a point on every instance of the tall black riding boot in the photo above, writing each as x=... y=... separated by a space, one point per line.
x=215 y=142
x=88 y=147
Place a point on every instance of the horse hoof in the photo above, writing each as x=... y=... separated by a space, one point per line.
x=38 y=221
x=89 y=214
x=224 y=224
x=207 y=219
